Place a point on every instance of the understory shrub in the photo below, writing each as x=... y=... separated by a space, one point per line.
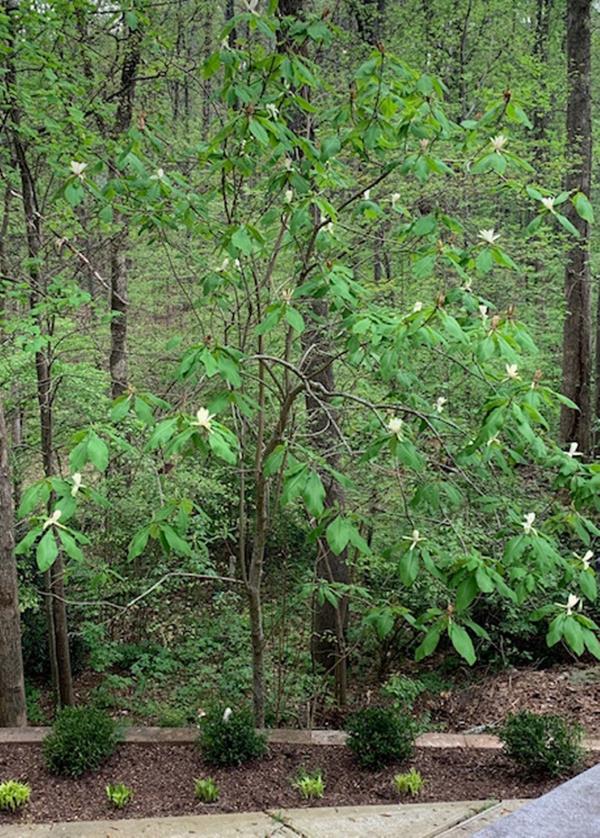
x=13 y=795
x=229 y=738
x=542 y=743
x=378 y=736
x=80 y=740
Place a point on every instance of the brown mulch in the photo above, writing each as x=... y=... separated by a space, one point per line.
x=162 y=779
x=572 y=691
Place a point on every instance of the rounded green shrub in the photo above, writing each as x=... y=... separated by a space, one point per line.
x=541 y=743
x=80 y=740
x=378 y=736
x=229 y=738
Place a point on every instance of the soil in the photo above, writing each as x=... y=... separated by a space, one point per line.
x=162 y=779
x=571 y=691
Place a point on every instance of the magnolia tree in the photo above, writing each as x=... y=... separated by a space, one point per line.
x=270 y=211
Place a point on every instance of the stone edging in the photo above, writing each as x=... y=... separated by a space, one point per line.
x=186 y=735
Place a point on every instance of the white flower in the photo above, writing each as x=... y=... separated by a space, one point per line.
x=289 y=196
x=572 y=602
x=548 y=203
x=203 y=419
x=53 y=519
x=251 y=6
x=160 y=174
x=468 y=285
x=76 y=483
x=414 y=539
x=367 y=194
x=78 y=168
x=488 y=236
x=512 y=371
x=439 y=404
x=528 y=524
x=494 y=440
x=395 y=426
x=224 y=265
x=273 y=111
x=498 y=142
x=573 y=452
x=395 y=198
x=227 y=714
x=288 y=163
x=483 y=311
x=424 y=144
x=586 y=559
x=418 y=306
x=329 y=228
x=237 y=264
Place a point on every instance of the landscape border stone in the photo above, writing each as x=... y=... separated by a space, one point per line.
x=286 y=736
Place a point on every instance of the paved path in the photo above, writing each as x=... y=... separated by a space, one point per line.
x=413 y=820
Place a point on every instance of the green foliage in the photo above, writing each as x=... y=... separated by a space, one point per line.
x=206 y=790
x=377 y=736
x=310 y=784
x=410 y=783
x=229 y=738
x=542 y=744
x=119 y=795
x=13 y=795
x=80 y=740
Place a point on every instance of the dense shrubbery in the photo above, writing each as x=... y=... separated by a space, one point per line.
x=378 y=736
x=229 y=738
x=543 y=744
x=81 y=739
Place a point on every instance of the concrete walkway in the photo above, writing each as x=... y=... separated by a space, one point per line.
x=416 y=820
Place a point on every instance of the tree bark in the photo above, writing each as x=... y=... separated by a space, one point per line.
x=575 y=426
x=13 y=711
x=58 y=638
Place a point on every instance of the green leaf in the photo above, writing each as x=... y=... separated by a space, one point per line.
x=591 y=642
x=131 y=19
x=175 y=542
x=462 y=642
x=258 y=132
x=466 y=593
x=338 y=534
x=573 y=634
x=409 y=567
x=313 y=494
x=429 y=644
x=583 y=207
x=241 y=239
x=74 y=193
x=274 y=461
x=120 y=408
x=97 y=451
x=137 y=545
x=221 y=447
x=47 y=551
x=35 y=495
x=27 y=542
x=295 y=319
x=564 y=222
x=71 y=547
x=588 y=584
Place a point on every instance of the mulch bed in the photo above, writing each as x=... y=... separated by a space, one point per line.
x=162 y=779
x=571 y=691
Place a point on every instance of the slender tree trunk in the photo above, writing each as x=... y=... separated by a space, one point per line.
x=118 y=361
x=58 y=642
x=575 y=426
x=12 y=686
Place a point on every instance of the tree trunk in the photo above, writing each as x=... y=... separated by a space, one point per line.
x=118 y=362
x=12 y=686
x=58 y=645
x=575 y=426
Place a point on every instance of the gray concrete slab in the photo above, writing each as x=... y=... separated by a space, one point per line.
x=412 y=820
x=571 y=810
x=470 y=827
x=251 y=825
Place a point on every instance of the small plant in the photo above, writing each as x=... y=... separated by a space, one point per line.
x=310 y=786
x=409 y=783
x=542 y=743
x=13 y=795
x=378 y=736
x=229 y=738
x=119 y=795
x=80 y=740
x=206 y=790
